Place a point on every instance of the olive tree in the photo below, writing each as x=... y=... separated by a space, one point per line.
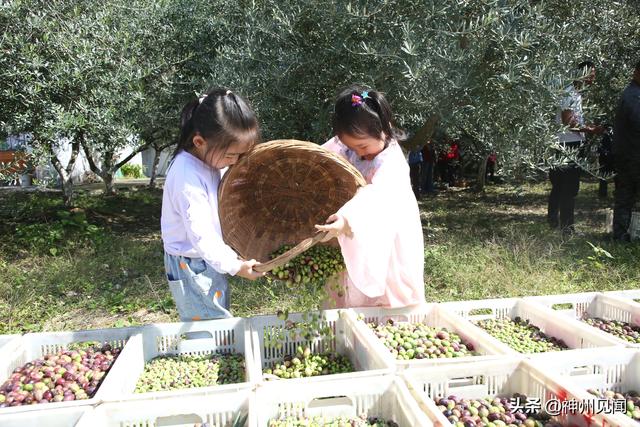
x=489 y=72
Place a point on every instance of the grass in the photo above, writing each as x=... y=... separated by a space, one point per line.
x=101 y=265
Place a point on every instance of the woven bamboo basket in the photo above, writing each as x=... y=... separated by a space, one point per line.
x=276 y=193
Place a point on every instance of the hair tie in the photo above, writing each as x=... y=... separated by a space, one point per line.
x=228 y=93
x=357 y=100
x=202 y=97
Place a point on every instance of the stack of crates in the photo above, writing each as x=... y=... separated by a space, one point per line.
x=408 y=392
x=595 y=305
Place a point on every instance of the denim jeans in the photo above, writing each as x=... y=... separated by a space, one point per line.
x=199 y=291
x=427 y=178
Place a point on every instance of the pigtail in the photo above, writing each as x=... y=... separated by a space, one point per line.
x=383 y=109
x=186 y=127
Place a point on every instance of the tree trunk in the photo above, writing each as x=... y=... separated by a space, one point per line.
x=158 y=149
x=106 y=173
x=482 y=174
x=67 y=192
x=107 y=179
x=108 y=169
x=65 y=171
x=154 y=166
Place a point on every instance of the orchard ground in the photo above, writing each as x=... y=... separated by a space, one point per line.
x=101 y=265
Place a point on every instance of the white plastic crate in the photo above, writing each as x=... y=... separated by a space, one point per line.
x=632 y=294
x=61 y=417
x=430 y=315
x=605 y=306
x=383 y=396
x=162 y=339
x=33 y=346
x=218 y=407
x=497 y=378
x=602 y=370
x=576 y=335
x=8 y=339
x=347 y=341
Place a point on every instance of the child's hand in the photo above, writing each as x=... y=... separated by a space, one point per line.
x=335 y=226
x=246 y=270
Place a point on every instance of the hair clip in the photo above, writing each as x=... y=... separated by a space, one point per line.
x=202 y=97
x=357 y=100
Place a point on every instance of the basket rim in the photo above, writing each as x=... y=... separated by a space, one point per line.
x=265 y=149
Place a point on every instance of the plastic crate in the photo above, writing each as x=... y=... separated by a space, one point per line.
x=161 y=339
x=218 y=407
x=61 y=417
x=8 y=339
x=606 y=306
x=33 y=346
x=497 y=378
x=347 y=341
x=632 y=294
x=431 y=315
x=374 y=396
x=576 y=335
x=601 y=370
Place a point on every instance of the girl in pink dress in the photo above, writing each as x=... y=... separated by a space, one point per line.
x=379 y=229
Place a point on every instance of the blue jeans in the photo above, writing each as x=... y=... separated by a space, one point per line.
x=199 y=291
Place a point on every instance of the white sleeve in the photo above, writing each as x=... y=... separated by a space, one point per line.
x=368 y=251
x=200 y=224
x=372 y=216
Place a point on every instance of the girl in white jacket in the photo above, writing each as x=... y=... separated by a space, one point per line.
x=216 y=130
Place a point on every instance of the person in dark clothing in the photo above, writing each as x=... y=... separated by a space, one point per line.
x=454 y=161
x=415 y=163
x=428 y=165
x=626 y=154
x=490 y=173
x=565 y=179
x=605 y=159
x=442 y=167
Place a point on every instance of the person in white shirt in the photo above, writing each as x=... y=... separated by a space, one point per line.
x=216 y=130
x=565 y=180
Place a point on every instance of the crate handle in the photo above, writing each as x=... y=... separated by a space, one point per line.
x=581 y=370
x=480 y=311
x=196 y=335
x=173 y=420
x=563 y=306
x=323 y=402
x=463 y=381
x=395 y=318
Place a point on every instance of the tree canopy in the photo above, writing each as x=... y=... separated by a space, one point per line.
x=105 y=75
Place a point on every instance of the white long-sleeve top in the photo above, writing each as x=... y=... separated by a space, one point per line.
x=190 y=223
